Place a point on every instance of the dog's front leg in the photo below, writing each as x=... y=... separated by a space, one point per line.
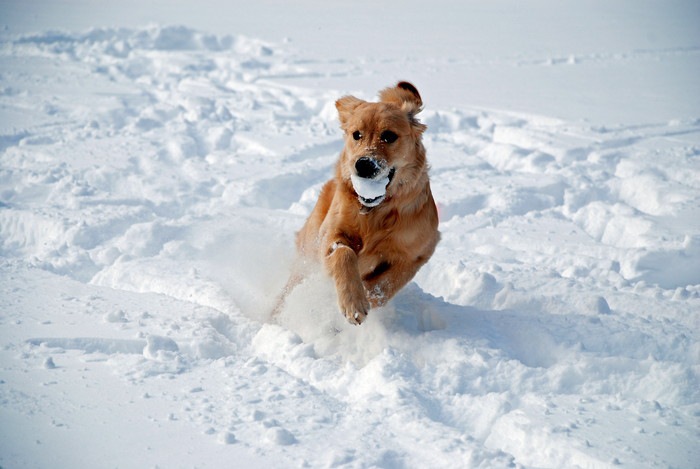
x=341 y=263
x=390 y=277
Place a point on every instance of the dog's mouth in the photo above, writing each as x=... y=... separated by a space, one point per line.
x=371 y=202
x=370 y=181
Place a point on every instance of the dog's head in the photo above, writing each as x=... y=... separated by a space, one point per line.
x=383 y=155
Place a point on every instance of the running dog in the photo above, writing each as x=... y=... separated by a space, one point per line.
x=375 y=222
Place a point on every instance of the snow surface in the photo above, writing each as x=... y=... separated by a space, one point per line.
x=156 y=160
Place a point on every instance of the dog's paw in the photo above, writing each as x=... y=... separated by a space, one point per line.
x=354 y=307
x=356 y=317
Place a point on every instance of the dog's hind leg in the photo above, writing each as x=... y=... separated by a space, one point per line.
x=295 y=278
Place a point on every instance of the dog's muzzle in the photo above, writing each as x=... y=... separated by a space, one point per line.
x=370 y=181
x=367 y=168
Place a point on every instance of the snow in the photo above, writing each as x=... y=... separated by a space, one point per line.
x=156 y=160
x=371 y=191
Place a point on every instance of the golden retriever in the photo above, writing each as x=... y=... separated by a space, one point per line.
x=375 y=222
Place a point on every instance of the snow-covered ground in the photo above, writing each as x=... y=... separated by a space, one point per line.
x=156 y=159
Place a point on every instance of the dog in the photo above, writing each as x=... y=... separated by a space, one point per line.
x=375 y=223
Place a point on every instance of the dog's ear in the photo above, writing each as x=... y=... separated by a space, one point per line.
x=405 y=96
x=346 y=106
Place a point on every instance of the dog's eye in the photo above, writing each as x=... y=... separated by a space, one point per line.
x=388 y=136
x=357 y=135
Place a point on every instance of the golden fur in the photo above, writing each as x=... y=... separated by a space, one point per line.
x=372 y=252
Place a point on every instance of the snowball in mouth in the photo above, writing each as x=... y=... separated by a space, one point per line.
x=371 y=192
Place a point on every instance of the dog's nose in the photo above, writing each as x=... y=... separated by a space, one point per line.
x=366 y=167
